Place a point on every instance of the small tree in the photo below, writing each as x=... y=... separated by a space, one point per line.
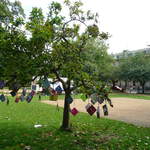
x=59 y=47
x=68 y=49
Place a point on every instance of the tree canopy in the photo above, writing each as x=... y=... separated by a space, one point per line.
x=57 y=46
x=135 y=68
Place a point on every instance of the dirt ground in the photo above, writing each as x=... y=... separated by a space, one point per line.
x=135 y=111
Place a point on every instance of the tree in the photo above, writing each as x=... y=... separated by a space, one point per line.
x=13 y=44
x=19 y=61
x=59 y=47
x=136 y=68
x=97 y=58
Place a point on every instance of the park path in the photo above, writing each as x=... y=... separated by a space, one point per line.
x=134 y=111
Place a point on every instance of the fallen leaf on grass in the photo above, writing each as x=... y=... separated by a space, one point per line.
x=27 y=148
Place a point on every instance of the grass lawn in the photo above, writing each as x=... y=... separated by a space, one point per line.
x=89 y=133
x=128 y=95
x=117 y=95
x=112 y=95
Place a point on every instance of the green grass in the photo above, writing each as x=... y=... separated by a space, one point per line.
x=112 y=95
x=135 y=96
x=89 y=133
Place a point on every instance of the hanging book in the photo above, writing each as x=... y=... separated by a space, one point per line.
x=2 y=84
x=45 y=83
x=22 y=98
x=29 y=98
x=32 y=93
x=58 y=89
x=70 y=100
x=33 y=87
x=2 y=97
x=53 y=92
x=105 y=110
x=90 y=109
x=74 y=111
x=13 y=93
x=17 y=99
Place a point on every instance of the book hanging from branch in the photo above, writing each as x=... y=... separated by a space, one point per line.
x=2 y=84
x=69 y=99
x=90 y=109
x=23 y=94
x=105 y=110
x=45 y=83
x=13 y=93
x=2 y=98
x=22 y=98
x=30 y=96
x=58 y=89
x=17 y=99
x=74 y=110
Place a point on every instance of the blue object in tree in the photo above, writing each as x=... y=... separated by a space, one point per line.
x=13 y=93
x=58 y=89
x=105 y=110
x=2 y=97
x=22 y=98
x=29 y=98
x=2 y=84
x=70 y=100
x=45 y=83
x=34 y=87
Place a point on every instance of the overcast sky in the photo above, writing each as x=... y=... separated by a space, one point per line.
x=128 y=21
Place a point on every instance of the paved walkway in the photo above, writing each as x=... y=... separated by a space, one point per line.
x=135 y=111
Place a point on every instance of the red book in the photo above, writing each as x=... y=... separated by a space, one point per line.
x=91 y=110
x=74 y=111
x=17 y=99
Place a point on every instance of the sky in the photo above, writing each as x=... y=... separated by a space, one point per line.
x=127 y=21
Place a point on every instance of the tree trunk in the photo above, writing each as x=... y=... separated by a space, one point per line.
x=143 y=90
x=65 y=122
x=126 y=84
x=120 y=84
x=114 y=83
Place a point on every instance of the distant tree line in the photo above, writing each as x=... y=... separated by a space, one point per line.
x=135 y=69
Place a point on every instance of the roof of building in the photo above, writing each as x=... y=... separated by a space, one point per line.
x=127 y=53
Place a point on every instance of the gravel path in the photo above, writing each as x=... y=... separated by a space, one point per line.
x=135 y=111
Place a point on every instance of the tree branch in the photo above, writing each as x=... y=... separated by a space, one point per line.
x=59 y=79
